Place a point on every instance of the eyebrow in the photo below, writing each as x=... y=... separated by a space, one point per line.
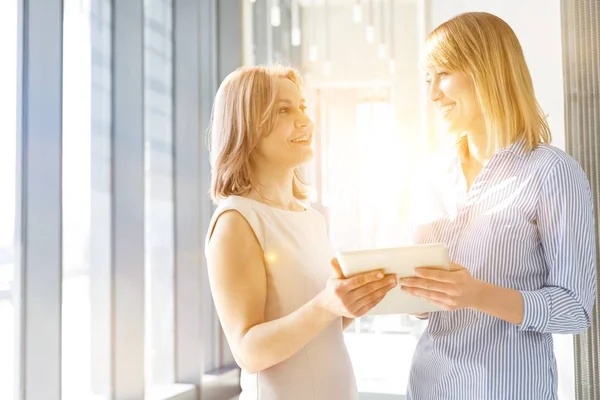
x=288 y=101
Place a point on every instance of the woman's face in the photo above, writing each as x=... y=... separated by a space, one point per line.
x=454 y=96
x=288 y=145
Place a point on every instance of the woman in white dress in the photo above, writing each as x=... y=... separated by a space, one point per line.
x=283 y=303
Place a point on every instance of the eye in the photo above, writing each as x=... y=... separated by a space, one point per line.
x=443 y=74
x=284 y=110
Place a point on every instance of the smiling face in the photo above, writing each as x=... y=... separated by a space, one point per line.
x=288 y=145
x=454 y=96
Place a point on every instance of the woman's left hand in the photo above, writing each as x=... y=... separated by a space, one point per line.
x=451 y=290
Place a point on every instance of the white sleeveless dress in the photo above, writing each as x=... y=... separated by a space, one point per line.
x=297 y=260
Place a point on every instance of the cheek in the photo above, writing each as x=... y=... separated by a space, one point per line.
x=468 y=97
x=472 y=105
x=453 y=88
x=447 y=88
x=461 y=92
x=275 y=142
x=282 y=131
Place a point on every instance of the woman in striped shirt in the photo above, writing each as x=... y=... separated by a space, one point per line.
x=517 y=216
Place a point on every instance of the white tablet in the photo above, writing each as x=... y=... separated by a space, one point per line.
x=401 y=261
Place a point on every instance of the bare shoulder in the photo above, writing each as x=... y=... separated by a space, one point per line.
x=230 y=223
x=232 y=230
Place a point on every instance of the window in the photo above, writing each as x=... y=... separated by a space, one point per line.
x=86 y=199
x=8 y=173
x=382 y=221
x=159 y=214
x=364 y=150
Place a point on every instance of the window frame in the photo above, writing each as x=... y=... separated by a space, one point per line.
x=38 y=281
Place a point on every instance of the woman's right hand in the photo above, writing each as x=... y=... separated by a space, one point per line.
x=353 y=297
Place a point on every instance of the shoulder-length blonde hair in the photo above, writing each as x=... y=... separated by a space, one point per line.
x=485 y=48
x=243 y=111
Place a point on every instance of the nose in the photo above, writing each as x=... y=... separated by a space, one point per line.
x=303 y=121
x=434 y=90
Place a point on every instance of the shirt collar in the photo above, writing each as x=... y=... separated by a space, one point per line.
x=518 y=148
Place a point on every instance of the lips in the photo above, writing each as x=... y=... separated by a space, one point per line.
x=445 y=109
x=302 y=139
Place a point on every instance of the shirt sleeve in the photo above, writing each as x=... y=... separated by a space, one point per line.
x=566 y=226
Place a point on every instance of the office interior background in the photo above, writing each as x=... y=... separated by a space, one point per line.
x=104 y=174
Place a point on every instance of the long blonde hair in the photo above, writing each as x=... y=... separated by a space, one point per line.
x=485 y=48
x=243 y=111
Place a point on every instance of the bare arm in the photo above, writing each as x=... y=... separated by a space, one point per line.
x=499 y=302
x=238 y=282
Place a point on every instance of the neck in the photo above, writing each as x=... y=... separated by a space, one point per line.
x=478 y=152
x=274 y=186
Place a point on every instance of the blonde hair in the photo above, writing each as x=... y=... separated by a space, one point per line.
x=243 y=111
x=485 y=48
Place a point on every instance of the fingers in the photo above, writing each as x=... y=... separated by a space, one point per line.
x=367 y=307
x=389 y=282
x=437 y=298
x=356 y=292
x=448 y=289
x=373 y=297
x=426 y=294
x=363 y=279
x=428 y=284
x=455 y=267
x=442 y=305
x=440 y=274
x=436 y=274
x=337 y=270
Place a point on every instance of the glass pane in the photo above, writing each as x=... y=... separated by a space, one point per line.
x=357 y=128
x=8 y=173
x=159 y=236
x=86 y=199
x=383 y=221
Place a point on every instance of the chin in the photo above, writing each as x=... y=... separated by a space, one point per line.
x=305 y=158
x=453 y=127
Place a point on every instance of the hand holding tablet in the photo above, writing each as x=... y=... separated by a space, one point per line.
x=401 y=261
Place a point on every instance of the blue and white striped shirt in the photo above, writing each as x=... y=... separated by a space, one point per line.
x=527 y=223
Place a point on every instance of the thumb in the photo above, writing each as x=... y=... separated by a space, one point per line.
x=337 y=270
x=455 y=267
